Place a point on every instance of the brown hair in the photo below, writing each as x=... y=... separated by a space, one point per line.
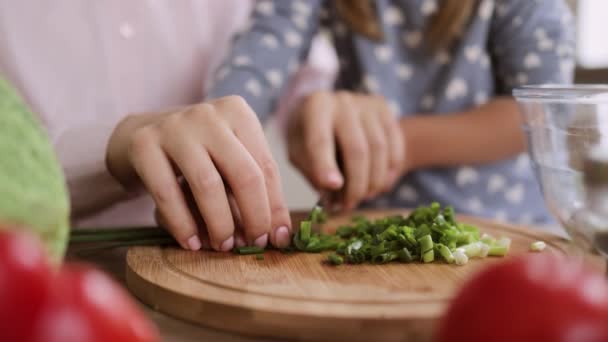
x=445 y=25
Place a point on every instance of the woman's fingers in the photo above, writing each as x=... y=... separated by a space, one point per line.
x=207 y=189
x=239 y=236
x=249 y=131
x=217 y=147
x=246 y=181
x=154 y=169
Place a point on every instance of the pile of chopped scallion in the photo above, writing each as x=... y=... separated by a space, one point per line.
x=427 y=234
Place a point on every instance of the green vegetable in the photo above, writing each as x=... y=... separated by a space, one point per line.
x=472 y=249
x=405 y=255
x=335 y=259
x=33 y=192
x=460 y=257
x=259 y=256
x=248 y=250
x=426 y=248
x=317 y=215
x=445 y=253
x=500 y=247
x=305 y=229
x=537 y=246
x=427 y=234
x=498 y=250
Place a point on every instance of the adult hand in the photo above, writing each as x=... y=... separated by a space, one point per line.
x=367 y=135
x=217 y=147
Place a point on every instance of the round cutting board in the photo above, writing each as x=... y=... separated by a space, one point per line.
x=298 y=296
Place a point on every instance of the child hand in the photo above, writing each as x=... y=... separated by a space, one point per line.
x=367 y=135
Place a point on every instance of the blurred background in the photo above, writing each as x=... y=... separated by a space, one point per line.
x=592 y=67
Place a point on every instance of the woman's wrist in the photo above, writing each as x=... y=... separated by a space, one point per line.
x=117 y=161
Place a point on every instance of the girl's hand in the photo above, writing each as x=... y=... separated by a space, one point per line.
x=217 y=147
x=368 y=138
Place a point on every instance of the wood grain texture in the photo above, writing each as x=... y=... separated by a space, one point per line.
x=298 y=296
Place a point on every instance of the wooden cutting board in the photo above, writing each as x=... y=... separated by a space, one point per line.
x=298 y=296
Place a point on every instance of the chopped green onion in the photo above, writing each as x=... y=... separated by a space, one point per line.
x=426 y=243
x=428 y=233
x=445 y=253
x=317 y=215
x=248 y=250
x=501 y=247
x=483 y=249
x=335 y=259
x=504 y=241
x=472 y=249
x=385 y=257
x=305 y=230
x=405 y=255
x=538 y=246
x=460 y=258
x=486 y=236
x=497 y=250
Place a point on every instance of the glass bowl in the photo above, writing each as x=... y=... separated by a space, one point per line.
x=564 y=124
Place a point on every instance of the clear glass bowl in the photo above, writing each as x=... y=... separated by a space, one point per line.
x=563 y=124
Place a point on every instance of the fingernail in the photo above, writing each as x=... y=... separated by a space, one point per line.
x=239 y=241
x=282 y=236
x=227 y=244
x=334 y=178
x=261 y=241
x=194 y=243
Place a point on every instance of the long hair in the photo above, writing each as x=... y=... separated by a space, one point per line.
x=444 y=27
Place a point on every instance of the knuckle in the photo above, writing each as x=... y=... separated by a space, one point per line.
x=163 y=194
x=378 y=100
x=269 y=168
x=251 y=179
x=344 y=96
x=377 y=143
x=141 y=140
x=318 y=143
x=277 y=210
x=208 y=181
x=171 y=124
x=201 y=110
x=235 y=101
x=234 y=106
x=316 y=97
x=356 y=149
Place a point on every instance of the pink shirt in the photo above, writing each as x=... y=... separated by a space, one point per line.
x=82 y=66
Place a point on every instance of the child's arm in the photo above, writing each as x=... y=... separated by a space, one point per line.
x=530 y=42
x=487 y=133
x=266 y=55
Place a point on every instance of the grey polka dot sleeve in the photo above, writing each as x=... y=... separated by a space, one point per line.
x=267 y=53
x=506 y=43
x=532 y=43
